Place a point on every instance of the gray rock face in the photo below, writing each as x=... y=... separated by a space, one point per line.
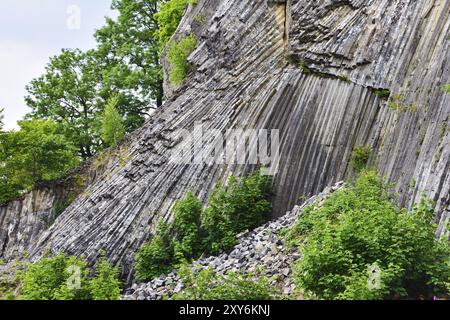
x=245 y=74
x=259 y=248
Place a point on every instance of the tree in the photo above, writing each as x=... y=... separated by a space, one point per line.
x=156 y=257
x=186 y=225
x=106 y=284
x=113 y=129
x=38 y=151
x=128 y=49
x=77 y=85
x=69 y=94
x=48 y=279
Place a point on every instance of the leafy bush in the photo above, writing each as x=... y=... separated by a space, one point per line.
x=106 y=284
x=242 y=205
x=186 y=225
x=113 y=128
x=177 y=56
x=156 y=257
x=168 y=18
x=67 y=278
x=47 y=279
x=217 y=222
x=208 y=285
x=360 y=157
x=358 y=238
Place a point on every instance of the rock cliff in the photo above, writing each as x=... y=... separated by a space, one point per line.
x=315 y=71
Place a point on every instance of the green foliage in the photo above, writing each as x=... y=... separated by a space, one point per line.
x=156 y=257
x=242 y=205
x=306 y=70
x=383 y=93
x=77 y=85
x=48 y=279
x=173 y=244
x=38 y=151
x=168 y=18
x=67 y=278
x=446 y=88
x=9 y=282
x=177 y=55
x=106 y=284
x=67 y=94
x=217 y=222
x=398 y=104
x=360 y=157
x=358 y=231
x=128 y=54
x=344 y=77
x=208 y=285
x=186 y=226
x=113 y=129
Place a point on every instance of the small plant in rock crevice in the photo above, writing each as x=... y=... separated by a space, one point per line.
x=178 y=57
x=360 y=157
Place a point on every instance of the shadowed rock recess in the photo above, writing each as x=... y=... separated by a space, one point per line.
x=312 y=70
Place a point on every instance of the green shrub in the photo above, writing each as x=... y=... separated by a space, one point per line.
x=208 y=285
x=168 y=18
x=156 y=257
x=106 y=284
x=38 y=151
x=67 y=278
x=344 y=77
x=217 y=222
x=243 y=205
x=186 y=225
x=359 y=236
x=177 y=56
x=48 y=279
x=360 y=157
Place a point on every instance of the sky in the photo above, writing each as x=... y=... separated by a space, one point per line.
x=31 y=31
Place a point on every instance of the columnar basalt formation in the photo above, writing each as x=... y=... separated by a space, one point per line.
x=311 y=69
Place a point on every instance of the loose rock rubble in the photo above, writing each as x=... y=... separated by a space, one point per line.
x=259 y=248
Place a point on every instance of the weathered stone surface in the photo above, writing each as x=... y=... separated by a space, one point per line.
x=242 y=78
